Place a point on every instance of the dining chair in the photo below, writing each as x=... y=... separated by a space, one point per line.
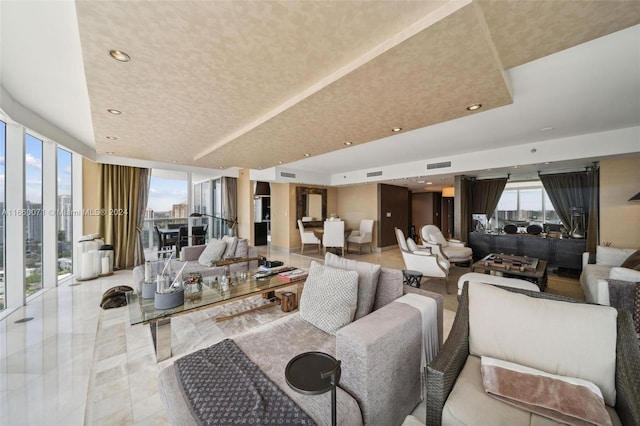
x=333 y=234
x=165 y=244
x=307 y=237
x=364 y=235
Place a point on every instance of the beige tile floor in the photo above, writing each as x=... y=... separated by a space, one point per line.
x=52 y=371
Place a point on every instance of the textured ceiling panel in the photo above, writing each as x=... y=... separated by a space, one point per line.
x=250 y=84
x=202 y=70
x=528 y=30
x=428 y=79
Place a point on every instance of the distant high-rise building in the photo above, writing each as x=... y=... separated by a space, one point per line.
x=148 y=214
x=33 y=222
x=64 y=217
x=179 y=210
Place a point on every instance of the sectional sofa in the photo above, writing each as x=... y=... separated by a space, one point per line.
x=380 y=350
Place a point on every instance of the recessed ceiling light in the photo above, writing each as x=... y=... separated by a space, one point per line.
x=474 y=107
x=174 y=161
x=547 y=162
x=348 y=143
x=221 y=167
x=114 y=111
x=307 y=155
x=429 y=183
x=420 y=181
x=119 y=55
x=396 y=129
x=112 y=138
x=279 y=162
x=515 y=167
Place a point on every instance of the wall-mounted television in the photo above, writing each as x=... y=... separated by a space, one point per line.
x=480 y=222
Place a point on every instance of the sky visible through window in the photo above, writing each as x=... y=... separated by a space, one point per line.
x=164 y=193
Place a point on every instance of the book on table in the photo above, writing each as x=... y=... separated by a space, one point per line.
x=294 y=275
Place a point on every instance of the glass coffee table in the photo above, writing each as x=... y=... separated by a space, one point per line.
x=213 y=293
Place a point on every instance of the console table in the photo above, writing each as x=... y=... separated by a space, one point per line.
x=559 y=252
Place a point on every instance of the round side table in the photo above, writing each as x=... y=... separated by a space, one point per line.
x=313 y=373
x=412 y=278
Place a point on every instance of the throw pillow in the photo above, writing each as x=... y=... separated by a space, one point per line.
x=242 y=249
x=612 y=256
x=213 y=252
x=633 y=261
x=329 y=298
x=368 y=274
x=567 y=400
x=232 y=243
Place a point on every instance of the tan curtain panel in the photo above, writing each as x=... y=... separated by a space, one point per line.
x=123 y=196
x=230 y=203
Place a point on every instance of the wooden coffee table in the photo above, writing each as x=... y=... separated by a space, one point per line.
x=523 y=267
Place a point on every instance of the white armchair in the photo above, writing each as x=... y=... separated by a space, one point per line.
x=421 y=260
x=454 y=251
x=333 y=234
x=307 y=237
x=362 y=236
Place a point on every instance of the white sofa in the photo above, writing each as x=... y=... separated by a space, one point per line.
x=607 y=266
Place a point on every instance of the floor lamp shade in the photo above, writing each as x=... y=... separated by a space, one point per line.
x=262 y=189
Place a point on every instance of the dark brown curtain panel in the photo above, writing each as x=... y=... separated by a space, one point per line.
x=577 y=189
x=486 y=194
x=123 y=196
x=465 y=208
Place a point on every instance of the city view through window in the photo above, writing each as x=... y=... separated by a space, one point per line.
x=167 y=206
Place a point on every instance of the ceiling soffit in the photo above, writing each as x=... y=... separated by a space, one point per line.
x=527 y=30
x=202 y=70
x=429 y=78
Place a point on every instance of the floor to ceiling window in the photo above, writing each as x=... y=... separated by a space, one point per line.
x=2 y=233
x=64 y=218
x=33 y=214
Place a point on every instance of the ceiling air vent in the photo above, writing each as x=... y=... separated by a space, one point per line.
x=440 y=165
x=374 y=174
x=287 y=175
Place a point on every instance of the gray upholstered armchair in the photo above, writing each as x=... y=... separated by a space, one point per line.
x=570 y=338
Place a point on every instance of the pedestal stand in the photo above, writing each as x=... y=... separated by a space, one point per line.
x=313 y=373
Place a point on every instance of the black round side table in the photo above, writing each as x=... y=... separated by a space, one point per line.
x=412 y=278
x=313 y=373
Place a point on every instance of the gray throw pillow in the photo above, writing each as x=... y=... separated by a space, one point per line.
x=242 y=249
x=213 y=252
x=368 y=274
x=230 y=250
x=329 y=298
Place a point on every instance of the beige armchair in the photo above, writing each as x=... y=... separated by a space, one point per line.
x=454 y=251
x=421 y=260
x=333 y=234
x=307 y=237
x=362 y=236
